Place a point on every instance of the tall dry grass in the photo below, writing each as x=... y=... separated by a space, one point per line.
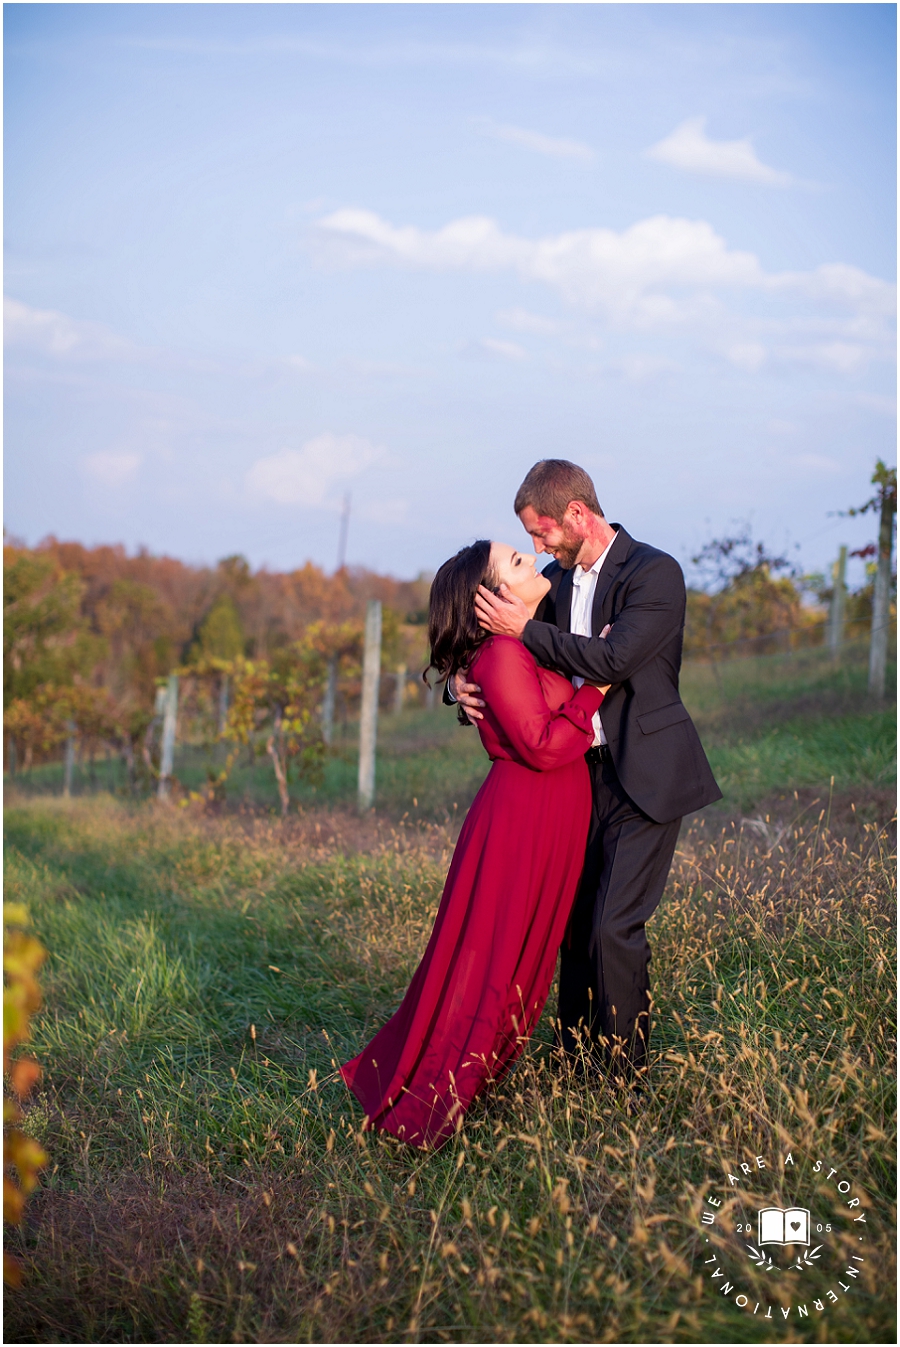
x=212 y=1182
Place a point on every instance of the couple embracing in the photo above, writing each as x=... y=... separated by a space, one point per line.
x=571 y=676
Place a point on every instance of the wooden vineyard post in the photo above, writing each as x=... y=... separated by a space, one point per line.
x=881 y=602
x=368 y=718
x=223 y=703
x=70 y=759
x=329 y=701
x=838 y=601
x=170 y=720
x=399 y=689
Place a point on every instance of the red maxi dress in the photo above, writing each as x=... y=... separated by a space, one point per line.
x=485 y=975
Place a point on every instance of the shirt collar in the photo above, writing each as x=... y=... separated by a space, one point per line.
x=580 y=576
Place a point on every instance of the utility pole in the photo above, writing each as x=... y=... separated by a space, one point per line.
x=368 y=719
x=170 y=721
x=342 y=536
x=838 y=601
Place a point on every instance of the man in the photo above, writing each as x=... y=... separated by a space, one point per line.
x=614 y=614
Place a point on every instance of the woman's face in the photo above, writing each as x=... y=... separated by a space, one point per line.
x=516 y=571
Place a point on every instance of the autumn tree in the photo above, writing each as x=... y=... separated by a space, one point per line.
x=46 y=640
x=746 y=593
x=138 y=625
x=221 y=635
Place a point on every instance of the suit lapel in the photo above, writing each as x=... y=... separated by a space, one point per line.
x=607 y=577
x=564 y=602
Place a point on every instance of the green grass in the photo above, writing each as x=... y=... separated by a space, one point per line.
x=209 y=1178
x=851 y=750
x=423 y=756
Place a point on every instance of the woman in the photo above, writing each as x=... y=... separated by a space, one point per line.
x=483 y=981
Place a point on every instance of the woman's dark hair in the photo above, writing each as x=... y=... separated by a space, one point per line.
x=453 y=631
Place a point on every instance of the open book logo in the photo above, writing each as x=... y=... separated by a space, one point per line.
x=783 y=1225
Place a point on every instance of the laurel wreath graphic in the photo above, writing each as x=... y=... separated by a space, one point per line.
x=762 y=1260
x=807 y=1258
x=767 y=1263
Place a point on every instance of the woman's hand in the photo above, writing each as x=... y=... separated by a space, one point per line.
x=602 y=637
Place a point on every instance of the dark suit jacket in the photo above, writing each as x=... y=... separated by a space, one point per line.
x=655 y=748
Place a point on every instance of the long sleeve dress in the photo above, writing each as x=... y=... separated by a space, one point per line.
x=486 y=972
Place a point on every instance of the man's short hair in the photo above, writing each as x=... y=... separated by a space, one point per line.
x=552 y=484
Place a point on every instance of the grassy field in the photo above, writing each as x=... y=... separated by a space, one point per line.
x=210 y=1181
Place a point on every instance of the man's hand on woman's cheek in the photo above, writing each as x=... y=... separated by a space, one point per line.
x=503 y=614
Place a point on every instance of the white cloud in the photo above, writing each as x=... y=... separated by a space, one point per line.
x=111 y=469
x=305 y=476
x=690 y=148
x=47 y=332
x=842 y=357
x=660 y=273
x=556 y=147
x=523 y=321
x=621 y=273
x=506 y=350
x=846 y=286
x=71 y=342
x=640 y=367
x=747 y=355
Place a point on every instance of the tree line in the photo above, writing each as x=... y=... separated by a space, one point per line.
x=92 y=634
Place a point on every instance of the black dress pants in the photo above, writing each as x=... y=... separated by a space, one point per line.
x=604 y=983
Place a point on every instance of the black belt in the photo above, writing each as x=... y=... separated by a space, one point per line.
x=599 y=753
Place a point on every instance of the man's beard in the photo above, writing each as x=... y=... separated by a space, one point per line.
x=567 y=551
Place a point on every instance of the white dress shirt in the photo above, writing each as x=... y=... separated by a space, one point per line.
x=584 y=584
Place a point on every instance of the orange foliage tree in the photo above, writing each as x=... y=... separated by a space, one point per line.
x=112 y=626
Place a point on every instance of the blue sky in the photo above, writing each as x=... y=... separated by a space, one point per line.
x=258 y=256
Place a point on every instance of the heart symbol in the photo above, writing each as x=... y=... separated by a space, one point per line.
x=795 y=1225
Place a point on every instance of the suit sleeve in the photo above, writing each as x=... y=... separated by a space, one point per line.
x=652 y=614
x=543 y=737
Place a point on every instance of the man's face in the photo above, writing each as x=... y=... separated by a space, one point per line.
x=563 y=541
